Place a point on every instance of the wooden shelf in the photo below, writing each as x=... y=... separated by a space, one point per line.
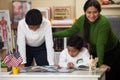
x=111 y=6
x=111 y=10
x=61 y=26
x=61 y=12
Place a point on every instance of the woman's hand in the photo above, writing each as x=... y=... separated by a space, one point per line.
x=105 y=66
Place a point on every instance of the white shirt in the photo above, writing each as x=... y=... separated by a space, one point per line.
x=81 y=59
x=35 y=38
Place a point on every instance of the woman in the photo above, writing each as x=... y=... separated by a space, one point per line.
x=34 y=39
x=96 y=30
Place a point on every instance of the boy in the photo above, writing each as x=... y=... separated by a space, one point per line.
x=34 y=39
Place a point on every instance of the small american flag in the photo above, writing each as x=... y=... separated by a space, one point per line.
x=16 y=61
x=12 y=60
x=7 y=60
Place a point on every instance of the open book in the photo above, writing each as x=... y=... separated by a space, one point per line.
x=83 y=67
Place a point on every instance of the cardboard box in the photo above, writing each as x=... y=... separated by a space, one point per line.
x=5 y=69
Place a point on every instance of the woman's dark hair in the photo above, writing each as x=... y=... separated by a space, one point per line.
x=76 y=42
x=88 y=4
x=33 y=17
x=94 y=3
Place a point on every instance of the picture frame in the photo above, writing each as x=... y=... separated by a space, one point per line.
x=19 y=9
x=45 y=12
x=5 y=29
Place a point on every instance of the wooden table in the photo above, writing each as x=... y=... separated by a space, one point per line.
x=75 y=75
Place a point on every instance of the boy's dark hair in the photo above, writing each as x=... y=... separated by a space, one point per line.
x=94 y=3
x=33 y=17
x=76 y=42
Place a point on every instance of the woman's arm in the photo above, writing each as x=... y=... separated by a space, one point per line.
x=68 y=32
x=102 y=40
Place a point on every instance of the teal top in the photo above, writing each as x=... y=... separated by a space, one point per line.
x=101 y=38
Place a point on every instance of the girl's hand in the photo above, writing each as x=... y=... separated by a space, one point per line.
x=70 y=65
x=105 y=66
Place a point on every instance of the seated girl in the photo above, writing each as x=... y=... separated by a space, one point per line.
x=75 y=54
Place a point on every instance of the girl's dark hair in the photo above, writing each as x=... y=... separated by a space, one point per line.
x=76 y=42
x=88 y=4
x=94 y=3
x=33 y=17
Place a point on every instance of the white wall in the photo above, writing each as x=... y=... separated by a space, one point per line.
x=79 y=7
x=51 y=3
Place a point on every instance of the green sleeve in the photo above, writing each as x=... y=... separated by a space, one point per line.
x=67 y=32
x=103 y=36
x=72 y=30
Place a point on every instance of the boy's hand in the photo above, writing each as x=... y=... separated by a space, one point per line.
x=56 y=66
x=21 y=65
